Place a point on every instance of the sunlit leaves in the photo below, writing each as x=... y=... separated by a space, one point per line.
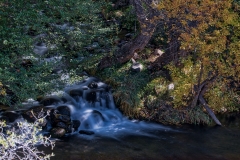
x=209 y=31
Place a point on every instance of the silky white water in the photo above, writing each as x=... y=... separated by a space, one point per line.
x=91 y=102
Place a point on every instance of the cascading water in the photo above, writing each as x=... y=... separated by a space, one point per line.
x=86 y=107
x=91 y=102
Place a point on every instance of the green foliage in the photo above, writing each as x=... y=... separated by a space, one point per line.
x=129 y=19
x=66 y=28
x=155 y=92
x=222 y=97
x=184 y=79
x=186 y=116
x=127 y=87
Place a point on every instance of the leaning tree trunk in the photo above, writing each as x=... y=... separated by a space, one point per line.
x=127 y=51
x=200 y=89
x=208 y=109
x=148 y=18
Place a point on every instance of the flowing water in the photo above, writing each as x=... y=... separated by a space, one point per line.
x=109 y=135
x=180 y=143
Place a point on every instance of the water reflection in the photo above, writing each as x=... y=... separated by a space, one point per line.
x=115 y=137
x=189 y=142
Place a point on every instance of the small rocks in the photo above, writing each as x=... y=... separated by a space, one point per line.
x=158 y=52
x=40 y=48
x=64 y=110
x=93 y=46
x=136 y=67
x=60 y=118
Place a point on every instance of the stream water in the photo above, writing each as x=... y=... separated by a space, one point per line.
x=116 y=137
x=185 y=142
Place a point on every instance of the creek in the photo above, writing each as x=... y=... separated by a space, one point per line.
x=109 y=135
x=188 y=142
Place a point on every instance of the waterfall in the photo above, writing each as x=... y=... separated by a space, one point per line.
x=93 y=105
x=87 y=108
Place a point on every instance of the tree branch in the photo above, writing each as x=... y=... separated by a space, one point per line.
x=199 y=88
x=210 y=112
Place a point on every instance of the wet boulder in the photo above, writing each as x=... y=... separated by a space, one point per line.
x=57 y=132
x=64 y=110
x=93 y=118
x=10 y=116
x=60 y=118
x=91 y=96
x=61 y=125
x=50 y=101
x=67 y=127
x=93 y=85
x=76 y=93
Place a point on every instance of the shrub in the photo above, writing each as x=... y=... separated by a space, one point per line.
x=20 y=142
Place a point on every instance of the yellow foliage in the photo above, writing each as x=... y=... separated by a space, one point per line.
x=2 y=90
x=209 y=30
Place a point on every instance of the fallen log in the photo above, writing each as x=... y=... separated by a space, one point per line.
x=210 y=112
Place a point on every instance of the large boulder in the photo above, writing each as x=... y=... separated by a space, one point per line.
x=64 y=110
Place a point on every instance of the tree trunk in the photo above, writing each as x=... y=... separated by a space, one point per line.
x=148 y=17
x=210 y=112
x=127 y=51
